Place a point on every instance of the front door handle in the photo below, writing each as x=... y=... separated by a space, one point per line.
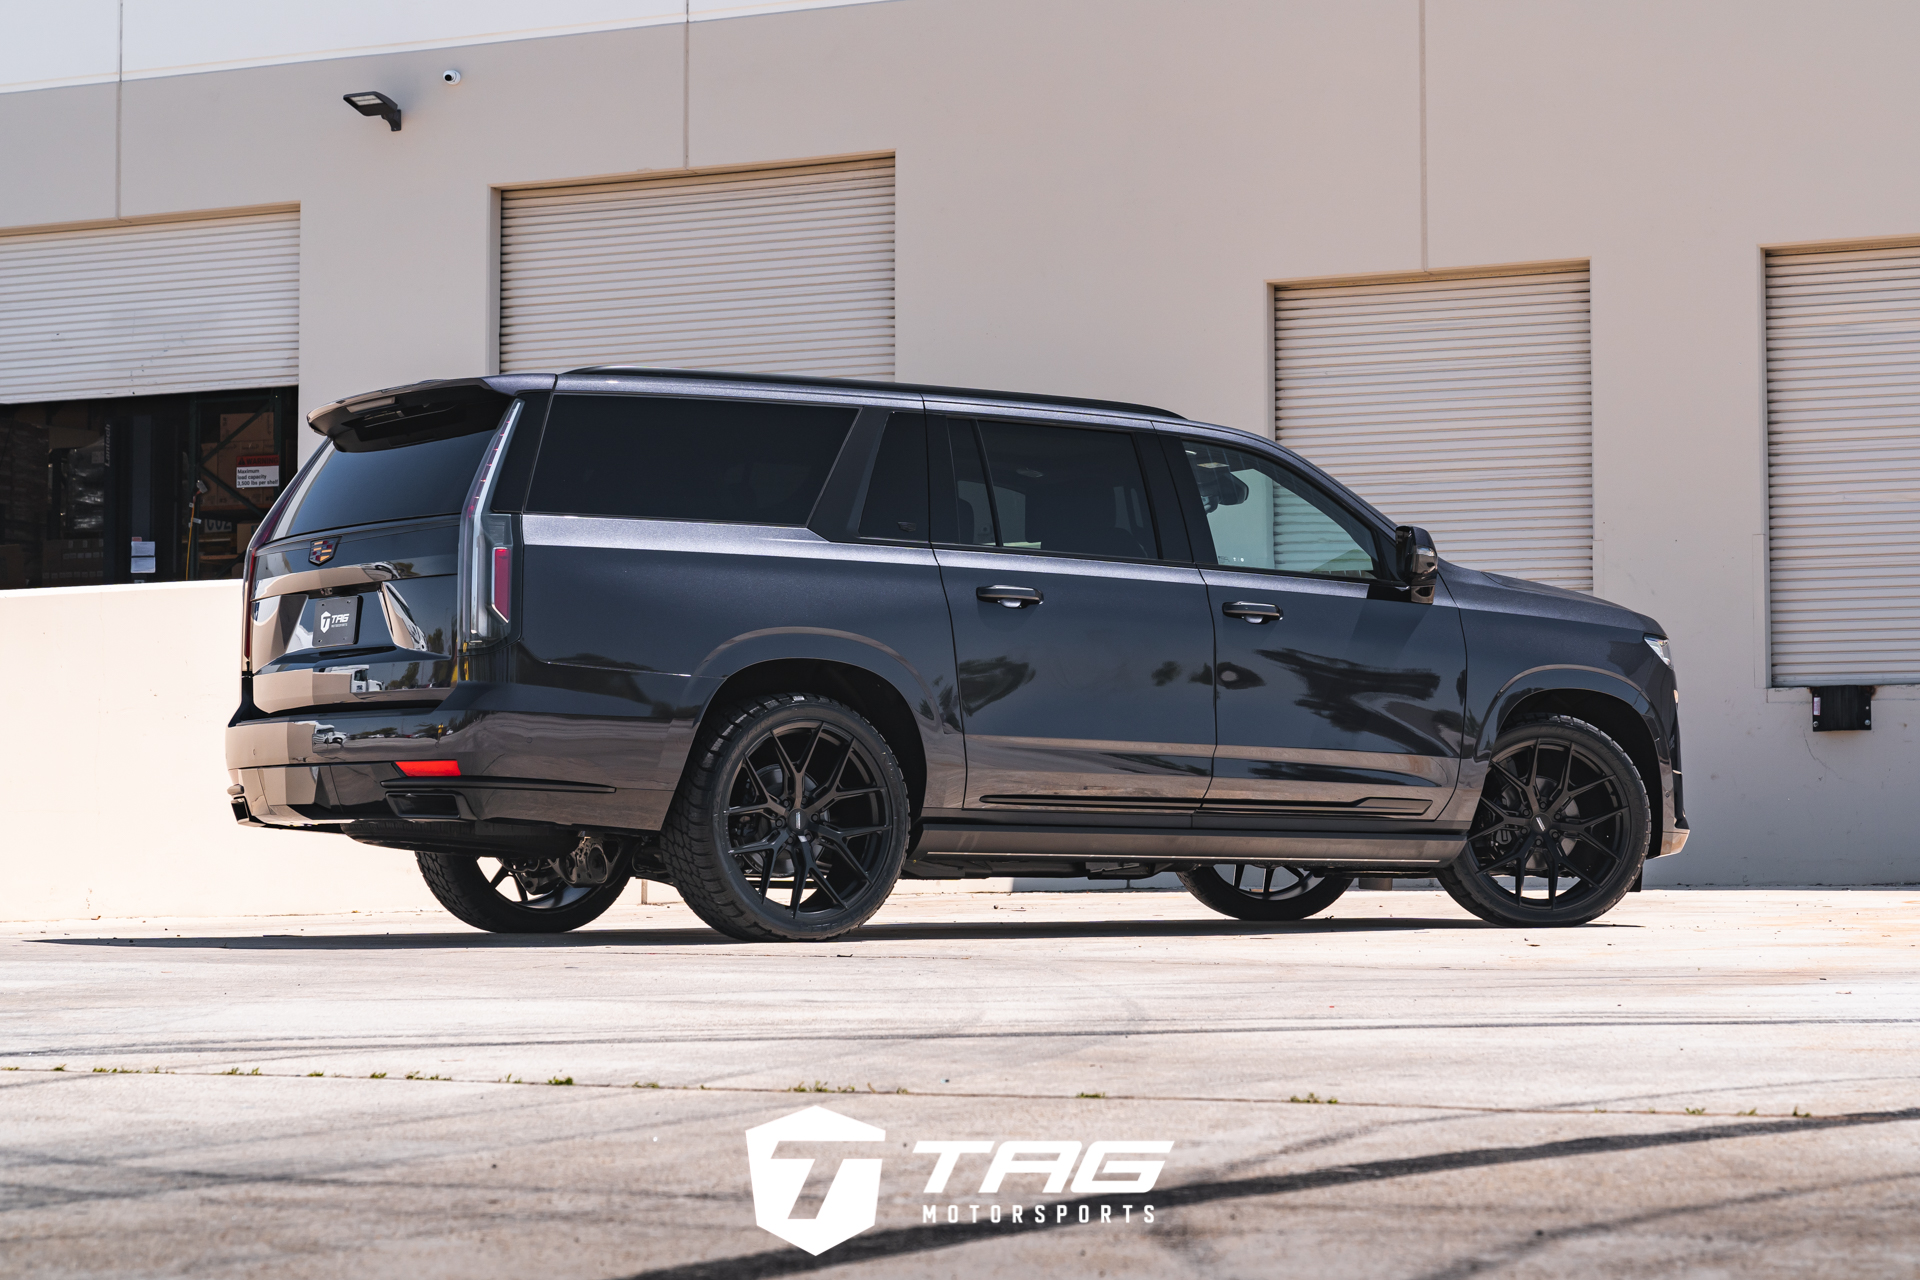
x=1254 y=611
x=1009 y=597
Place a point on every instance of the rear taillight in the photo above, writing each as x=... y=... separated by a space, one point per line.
x=429 y=768
x=261 y=537
x=502 y=599
x=486 y=542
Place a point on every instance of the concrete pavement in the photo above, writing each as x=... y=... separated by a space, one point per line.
x=1704 y=1082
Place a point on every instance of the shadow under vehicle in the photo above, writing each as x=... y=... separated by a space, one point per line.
x=780 y=641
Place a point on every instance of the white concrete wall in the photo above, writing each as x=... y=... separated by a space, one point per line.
x=1096 y=199
x=113 y=769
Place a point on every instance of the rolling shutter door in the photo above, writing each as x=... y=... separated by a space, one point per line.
x=204 y=305
x=1463 y=406
x=1843 y=466
x=785 y=270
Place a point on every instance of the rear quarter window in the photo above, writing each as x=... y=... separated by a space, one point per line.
x=664 y=459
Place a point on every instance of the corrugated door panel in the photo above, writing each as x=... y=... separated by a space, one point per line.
x=1843 y=466
x=1462 y=406
x=785 y=270
x=176 y=306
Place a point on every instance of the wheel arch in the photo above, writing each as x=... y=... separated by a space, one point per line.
x=866 y=692
x=1618 y=718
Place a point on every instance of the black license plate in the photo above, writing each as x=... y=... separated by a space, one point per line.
x=336 y=622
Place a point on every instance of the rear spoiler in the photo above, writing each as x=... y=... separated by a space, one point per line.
x=443 y=406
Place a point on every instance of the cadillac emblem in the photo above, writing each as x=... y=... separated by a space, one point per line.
x=322 y=550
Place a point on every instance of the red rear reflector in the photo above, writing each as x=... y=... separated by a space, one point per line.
x=430 y=768
x=502 y=580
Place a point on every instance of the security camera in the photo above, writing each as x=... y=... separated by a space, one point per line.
x=450 y=76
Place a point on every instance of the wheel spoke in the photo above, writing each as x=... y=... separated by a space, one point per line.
x=800 y=781
x=850 y=833
x=1566 y=774
x=800 y=860
x=1533 y=801
x=786 y=764
x=1267 y=891
x=821 y=880
x=821 y=806
x=1505 y=821
x=844 y=854
x=830 y=789
x=1526 y=847
x=1588 y=824
x=1608 y=858
x=1562 y=802
x=498 y=876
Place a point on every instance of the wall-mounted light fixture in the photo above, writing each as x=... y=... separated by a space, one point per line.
x=375 y=104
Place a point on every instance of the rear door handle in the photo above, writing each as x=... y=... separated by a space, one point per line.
x=1009 y=597
x=1254 y=611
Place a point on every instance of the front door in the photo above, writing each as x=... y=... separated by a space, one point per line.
x=1334 y=700
x=1083 y=662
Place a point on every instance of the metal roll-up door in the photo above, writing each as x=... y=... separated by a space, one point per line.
x=780 y=270
x=1843 y=466
x=1460 y=405
x=201 y=305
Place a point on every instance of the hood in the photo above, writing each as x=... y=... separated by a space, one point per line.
x=1537 y=599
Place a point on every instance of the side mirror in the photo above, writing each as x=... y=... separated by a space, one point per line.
x=1419 y=562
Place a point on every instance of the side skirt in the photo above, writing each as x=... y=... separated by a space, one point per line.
x=1396 y=851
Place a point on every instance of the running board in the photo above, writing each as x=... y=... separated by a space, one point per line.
x=1320 y=849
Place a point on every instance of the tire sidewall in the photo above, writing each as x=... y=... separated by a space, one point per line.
x=748 y=898
x=1469 y=886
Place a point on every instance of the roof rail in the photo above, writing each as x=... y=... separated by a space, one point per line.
x=862 y=384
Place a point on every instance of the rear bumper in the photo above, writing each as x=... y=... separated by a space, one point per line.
x=317 y=771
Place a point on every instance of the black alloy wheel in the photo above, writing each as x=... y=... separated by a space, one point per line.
x=1561 y=830
x=518 y=895
x=1249 y=891
x=793 y=824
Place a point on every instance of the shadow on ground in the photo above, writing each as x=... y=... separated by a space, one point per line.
x=1011 y=930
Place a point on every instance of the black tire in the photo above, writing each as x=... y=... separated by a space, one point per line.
x=1563 y=805
x=1248 y=892
x=736 y=850
x=542 y=901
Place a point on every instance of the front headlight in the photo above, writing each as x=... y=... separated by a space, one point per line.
x=1661 y=646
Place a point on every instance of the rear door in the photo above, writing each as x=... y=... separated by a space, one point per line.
x=1082 y=649
x=1336 y=696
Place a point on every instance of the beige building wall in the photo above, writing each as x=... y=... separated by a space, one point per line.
x=1096 y=199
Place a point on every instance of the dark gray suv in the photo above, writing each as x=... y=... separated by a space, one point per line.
x=781 y=641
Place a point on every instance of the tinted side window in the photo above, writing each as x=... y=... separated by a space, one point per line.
x=1262 y=516
x=361 y=486
x=686 y=459
x=1067 y=490
x=896 y=507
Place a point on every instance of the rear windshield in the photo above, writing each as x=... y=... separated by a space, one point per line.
x=665 y=459
x=400 y=482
